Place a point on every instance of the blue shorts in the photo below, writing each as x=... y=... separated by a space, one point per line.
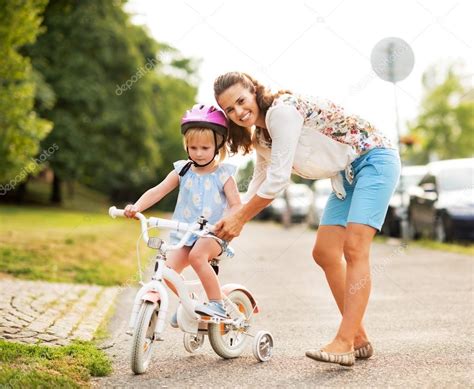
x=376 y=175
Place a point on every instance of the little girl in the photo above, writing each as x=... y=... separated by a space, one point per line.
x=206 y=188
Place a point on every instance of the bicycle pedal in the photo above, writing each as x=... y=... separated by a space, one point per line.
x=209 y=319
x=158 y=338
x=129 y=332
x=218 y=320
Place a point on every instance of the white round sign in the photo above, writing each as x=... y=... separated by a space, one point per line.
x=392 y=59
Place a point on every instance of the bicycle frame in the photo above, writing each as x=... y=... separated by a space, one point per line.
x=155 y=290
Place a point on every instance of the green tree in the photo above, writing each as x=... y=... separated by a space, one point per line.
x=172 y=97
x=445 y=126
x=21 y=130
x=103 y=70
x=245 y=176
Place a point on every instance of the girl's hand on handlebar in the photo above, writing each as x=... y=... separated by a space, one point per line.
x=130 y=211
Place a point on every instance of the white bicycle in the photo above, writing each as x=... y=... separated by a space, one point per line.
x=228 y=337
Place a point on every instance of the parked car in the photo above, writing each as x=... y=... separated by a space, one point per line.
x=398 y=206
x=442 y=205
x=265 y=214
x=299 y=199
x=321 y=191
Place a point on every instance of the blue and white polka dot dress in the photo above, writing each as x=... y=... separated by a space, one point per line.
x=200 y=195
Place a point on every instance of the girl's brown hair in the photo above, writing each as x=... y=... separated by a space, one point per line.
x=240 y=138
x=207 y=134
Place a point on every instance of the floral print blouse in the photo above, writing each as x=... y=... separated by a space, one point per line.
x=331 y=120
x=313 y=138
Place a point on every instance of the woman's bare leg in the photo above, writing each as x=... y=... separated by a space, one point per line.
x=357 y=286
x=328 y=253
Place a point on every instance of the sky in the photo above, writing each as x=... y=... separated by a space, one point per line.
x=316 y=48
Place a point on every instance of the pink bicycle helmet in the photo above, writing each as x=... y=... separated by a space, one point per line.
x=207 y=116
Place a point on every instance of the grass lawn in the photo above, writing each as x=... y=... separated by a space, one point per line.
x=77 y=242
x=451 y=247
x=459 y=248
x=34 y=366
x=52 y=244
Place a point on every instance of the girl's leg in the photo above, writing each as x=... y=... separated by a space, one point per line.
x=177 y=260
x=357 y=285
x=203 y=251
x=327 y=253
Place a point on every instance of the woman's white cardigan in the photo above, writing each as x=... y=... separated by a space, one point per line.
x=297 y=149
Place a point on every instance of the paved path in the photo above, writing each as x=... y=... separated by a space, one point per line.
x=52 y=313
x=420 y=320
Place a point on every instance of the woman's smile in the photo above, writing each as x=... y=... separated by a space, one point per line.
x=245 y=117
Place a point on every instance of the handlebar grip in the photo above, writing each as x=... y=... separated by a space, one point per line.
x=114 y=212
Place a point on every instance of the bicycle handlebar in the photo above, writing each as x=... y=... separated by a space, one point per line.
x=161 y=223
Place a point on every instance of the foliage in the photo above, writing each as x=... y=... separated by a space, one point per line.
x=444 y=128
x=245 y=176
x=21 y=130
x=113 y=104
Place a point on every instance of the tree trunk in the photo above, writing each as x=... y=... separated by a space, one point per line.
x=56 y=196
x=70 y=188
x=21 y=192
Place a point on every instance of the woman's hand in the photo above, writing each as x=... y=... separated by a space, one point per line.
x=130 y=211
x=229 y=227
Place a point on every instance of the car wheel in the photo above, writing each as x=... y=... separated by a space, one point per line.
x=439 y=230
x=396 y=229
x=413 y=233
x=392 y=225
x=442 y=232
x=386 y=230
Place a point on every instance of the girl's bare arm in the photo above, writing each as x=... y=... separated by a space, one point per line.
x=153 y=195
x=232 y=194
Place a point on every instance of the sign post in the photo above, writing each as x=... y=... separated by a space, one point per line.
x=392 y=60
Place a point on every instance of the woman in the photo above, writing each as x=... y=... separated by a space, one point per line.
x=316 y=139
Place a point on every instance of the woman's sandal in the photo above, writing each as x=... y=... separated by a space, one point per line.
x=343 y=359
x=364 y=352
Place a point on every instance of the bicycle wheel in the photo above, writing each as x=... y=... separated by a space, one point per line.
x=143 y=337
x=193 y=342
x=263 y=346
x=227 y=340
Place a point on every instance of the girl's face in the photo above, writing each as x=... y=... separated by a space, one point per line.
x=201 y=149
x=240 y=105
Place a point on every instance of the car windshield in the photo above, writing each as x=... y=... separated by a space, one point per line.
x=408 y=180
x=456 y=179
x=411 y=180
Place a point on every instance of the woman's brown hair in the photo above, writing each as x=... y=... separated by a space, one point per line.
x=240 y=138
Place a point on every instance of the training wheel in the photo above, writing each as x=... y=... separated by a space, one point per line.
x=263 y=346
x=192 y=342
